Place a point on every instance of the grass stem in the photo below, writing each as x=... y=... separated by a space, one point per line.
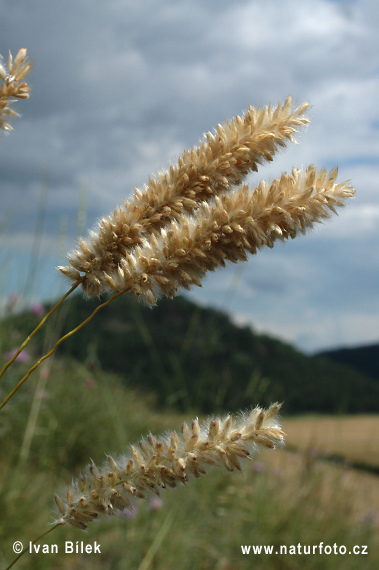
x=47 y=355
x=43 y=321
x=33 y=542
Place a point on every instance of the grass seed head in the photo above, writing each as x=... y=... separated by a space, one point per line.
x=218 y=164
x=181 y=457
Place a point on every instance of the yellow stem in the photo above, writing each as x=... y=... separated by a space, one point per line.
x=73 y=331
x=33 y=542
x=28 y=339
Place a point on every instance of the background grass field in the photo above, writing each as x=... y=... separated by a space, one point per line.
x=352 y=438
x=282 y=498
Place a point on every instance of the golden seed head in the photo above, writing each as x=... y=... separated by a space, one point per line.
x=13 y=87
x=220 y=441
x=169 y=200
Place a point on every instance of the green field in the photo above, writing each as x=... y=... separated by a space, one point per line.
x=67 y=414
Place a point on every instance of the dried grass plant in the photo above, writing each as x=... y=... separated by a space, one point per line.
x=167 y=462
x=13 y=85
x=189 y=220
x=219 y=163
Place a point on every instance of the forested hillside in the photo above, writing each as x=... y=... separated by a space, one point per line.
x=196 y=358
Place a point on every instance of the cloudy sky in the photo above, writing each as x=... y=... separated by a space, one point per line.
x=120 y=88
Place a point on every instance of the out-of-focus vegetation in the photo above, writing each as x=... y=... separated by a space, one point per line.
x=350 y=438
x=362 y=358
x=133 y=370
x=196 y=358
x=282 y=498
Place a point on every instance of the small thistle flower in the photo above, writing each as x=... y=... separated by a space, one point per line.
x=159 y=463
x=37 y=309
x=13 y=85
x=23 y=356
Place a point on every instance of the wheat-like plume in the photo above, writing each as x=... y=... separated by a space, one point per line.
x=158 y=463
x=13 y=85
x=219 y=163
x=229 y=228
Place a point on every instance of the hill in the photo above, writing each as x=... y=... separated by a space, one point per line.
x=362 y=358
x=195 y=358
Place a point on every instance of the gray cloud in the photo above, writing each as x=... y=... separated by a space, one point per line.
x=120 y=88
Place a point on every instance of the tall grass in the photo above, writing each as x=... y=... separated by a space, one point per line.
x=280 y=499
x=186 y=222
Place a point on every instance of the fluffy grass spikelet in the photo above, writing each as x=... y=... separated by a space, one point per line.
x=227 y=229
x=159 y=463
x=13 y=85
x=219 y=163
